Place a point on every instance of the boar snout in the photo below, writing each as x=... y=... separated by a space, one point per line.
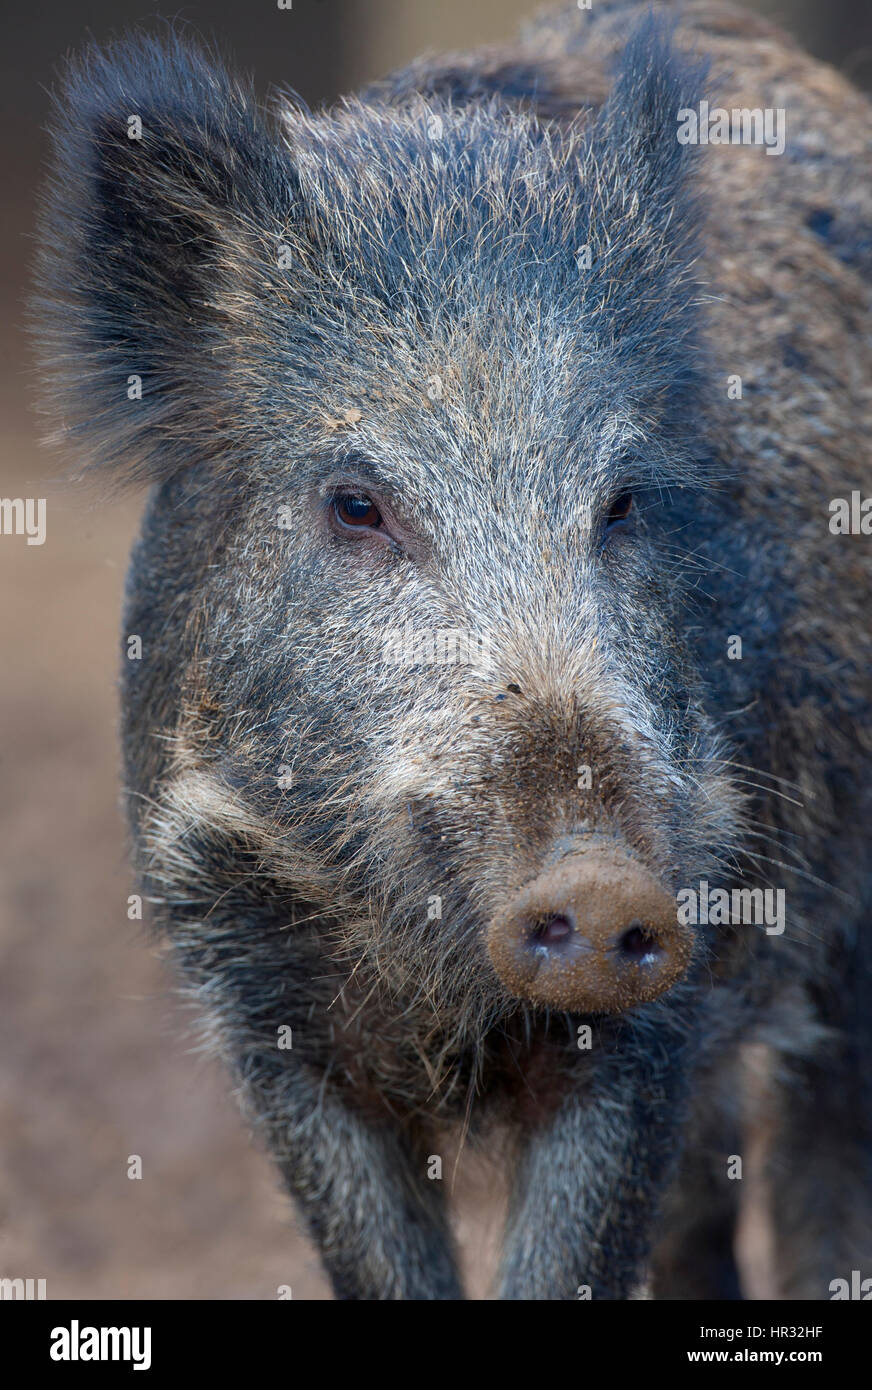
x=596 y=933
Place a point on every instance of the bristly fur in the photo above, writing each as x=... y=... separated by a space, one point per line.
x=160 y=255
x=392 y=296
x=142 y=242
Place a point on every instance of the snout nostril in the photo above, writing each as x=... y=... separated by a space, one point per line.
x=596 y=932
x=637 y=944
x=553 y=931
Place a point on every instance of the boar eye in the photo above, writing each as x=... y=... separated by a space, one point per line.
x=619 y=510
x=356 y=510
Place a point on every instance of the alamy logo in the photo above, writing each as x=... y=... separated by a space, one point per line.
x=742 y=125
x=22 y=1288
x=21 y=516
x=851 y=517
x=75 y=1343
x=720 y=907
x=446 y=646
x=853 y=1288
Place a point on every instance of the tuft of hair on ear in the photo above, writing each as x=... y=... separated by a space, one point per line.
x=168 y=194
x=644 y=214
x=640 y=119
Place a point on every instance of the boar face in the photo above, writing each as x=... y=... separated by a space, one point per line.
x=428 y=382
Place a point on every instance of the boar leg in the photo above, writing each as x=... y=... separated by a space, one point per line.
x=694 y=1256
x=589 y=1182
x=819 y=1175
x=379 y=1223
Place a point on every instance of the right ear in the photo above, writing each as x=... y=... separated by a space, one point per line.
x=162 y=226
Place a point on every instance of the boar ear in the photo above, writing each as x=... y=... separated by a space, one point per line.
x=637 y=129
x=167 y=203
x=645 y=216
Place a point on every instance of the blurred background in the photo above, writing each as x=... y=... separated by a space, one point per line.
x=95 y=1061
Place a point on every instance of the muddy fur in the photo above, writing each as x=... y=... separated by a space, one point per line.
x=386 y=298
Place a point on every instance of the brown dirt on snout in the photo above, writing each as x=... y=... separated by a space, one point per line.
x=600 y=894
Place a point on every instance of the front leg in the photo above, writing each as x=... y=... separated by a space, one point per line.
x=589 y=1182
x=358 y=1175
x=359 y=1184
x=379 y=1223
